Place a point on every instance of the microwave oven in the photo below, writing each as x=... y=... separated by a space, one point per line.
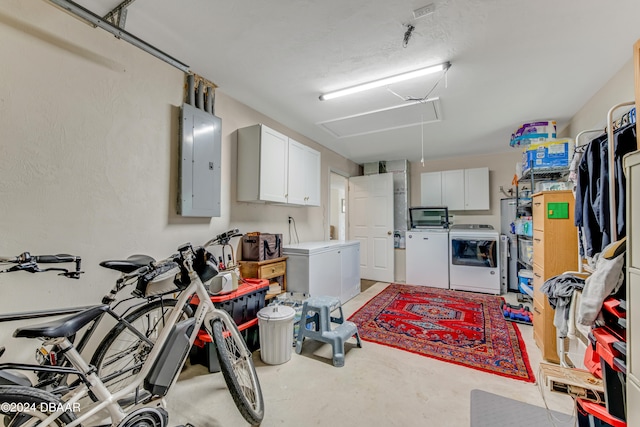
x=429 y=217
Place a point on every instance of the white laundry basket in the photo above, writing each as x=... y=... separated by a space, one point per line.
x=276 y=329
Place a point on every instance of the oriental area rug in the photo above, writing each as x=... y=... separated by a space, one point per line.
x=465 y=328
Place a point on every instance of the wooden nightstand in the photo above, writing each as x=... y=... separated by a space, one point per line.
x=269 y=269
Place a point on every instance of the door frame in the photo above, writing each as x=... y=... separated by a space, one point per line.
x=327 y=231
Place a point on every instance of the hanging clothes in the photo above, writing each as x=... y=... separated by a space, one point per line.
x=592 y=210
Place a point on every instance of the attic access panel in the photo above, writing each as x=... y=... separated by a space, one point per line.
x=200 y=158
x=396 y=117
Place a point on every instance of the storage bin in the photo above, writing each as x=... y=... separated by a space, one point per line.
x=525 y=251
x=203 y=352
x=524 y=226
x=548 y=155
x=243 y=304
x=525 y=281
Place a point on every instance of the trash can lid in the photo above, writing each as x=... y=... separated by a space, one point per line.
x=276 y=313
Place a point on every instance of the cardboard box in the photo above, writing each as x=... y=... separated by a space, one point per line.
x=547 y=155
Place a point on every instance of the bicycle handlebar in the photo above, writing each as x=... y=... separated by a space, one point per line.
x=29 y=263
x=223 y=238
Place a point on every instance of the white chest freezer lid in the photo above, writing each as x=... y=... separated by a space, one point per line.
x=309 y=248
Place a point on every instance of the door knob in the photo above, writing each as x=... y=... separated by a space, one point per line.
x=389 y=233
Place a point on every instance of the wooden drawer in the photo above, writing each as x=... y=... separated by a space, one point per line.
x=538 y=281
x=537 y=211
x=538 y=323
x=538 y=247
x=270 y=271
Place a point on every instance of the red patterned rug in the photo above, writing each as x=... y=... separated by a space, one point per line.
x=458 y=327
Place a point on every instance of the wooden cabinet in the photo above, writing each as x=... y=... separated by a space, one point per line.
x=555 y=250
x=275 y=168
x=269 y=269
x=460 y=189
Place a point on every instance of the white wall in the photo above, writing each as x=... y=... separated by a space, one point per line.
x=593 y=115
x=89 y=157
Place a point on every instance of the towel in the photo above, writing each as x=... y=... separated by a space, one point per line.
x=605 y=280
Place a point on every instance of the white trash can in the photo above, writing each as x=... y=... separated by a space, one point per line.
x=276 y=333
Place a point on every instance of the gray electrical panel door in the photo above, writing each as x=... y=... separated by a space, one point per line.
x=200 y=153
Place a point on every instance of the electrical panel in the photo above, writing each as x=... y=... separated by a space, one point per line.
x=200 y=158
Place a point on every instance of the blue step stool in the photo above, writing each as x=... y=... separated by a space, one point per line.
x=316 y=322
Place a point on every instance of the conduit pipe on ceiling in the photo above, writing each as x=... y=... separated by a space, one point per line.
x=97 y=21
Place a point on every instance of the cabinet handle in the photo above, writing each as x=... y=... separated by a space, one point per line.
x=537 y=204
x=536 y=310
x=537 y=240
x=273 y=270
x=537 y=275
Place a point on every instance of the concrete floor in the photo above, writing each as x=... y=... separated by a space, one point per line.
x=378 y=386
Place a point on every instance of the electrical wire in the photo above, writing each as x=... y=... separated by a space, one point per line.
x=295 y=229
x=550 y=416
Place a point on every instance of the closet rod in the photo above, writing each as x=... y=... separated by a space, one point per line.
x=612 y=165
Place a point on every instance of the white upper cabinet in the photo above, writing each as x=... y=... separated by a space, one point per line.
x=476 y=189
x=431 y=189
x=453 y=189
x=460 y=189
x=274 y=168
x=304 y=175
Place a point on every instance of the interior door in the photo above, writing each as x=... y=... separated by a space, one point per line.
x=371 y=223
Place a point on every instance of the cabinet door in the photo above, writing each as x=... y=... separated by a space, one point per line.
x=313 y=162
x=297 y=183
x=476 y=189
x=453 y=189
x=274 y=148
x=431 y=189
x=304 y=175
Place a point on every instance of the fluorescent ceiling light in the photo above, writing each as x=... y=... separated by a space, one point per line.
x=386 y=81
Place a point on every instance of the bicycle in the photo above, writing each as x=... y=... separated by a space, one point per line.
x=141 y=320
x=158 y=372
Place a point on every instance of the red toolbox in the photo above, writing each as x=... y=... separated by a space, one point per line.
x=606 y=358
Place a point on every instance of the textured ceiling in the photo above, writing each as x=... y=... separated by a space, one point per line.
x=513 y=61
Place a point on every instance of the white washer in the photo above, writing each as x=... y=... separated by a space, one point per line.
x=474 y=258
x=427 y=257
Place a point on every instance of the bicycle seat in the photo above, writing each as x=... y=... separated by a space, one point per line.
x=128 y=265
x=62 y=327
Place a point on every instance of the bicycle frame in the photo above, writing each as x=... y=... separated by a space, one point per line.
x=107 y=401
x=84 y=338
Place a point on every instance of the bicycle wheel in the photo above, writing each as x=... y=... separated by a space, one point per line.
x=238 y=370
x=26 y=406
x=122 y=353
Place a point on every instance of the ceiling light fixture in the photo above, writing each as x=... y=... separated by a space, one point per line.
x=386 y=81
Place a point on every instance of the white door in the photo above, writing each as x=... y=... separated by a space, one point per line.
x=371 y=223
